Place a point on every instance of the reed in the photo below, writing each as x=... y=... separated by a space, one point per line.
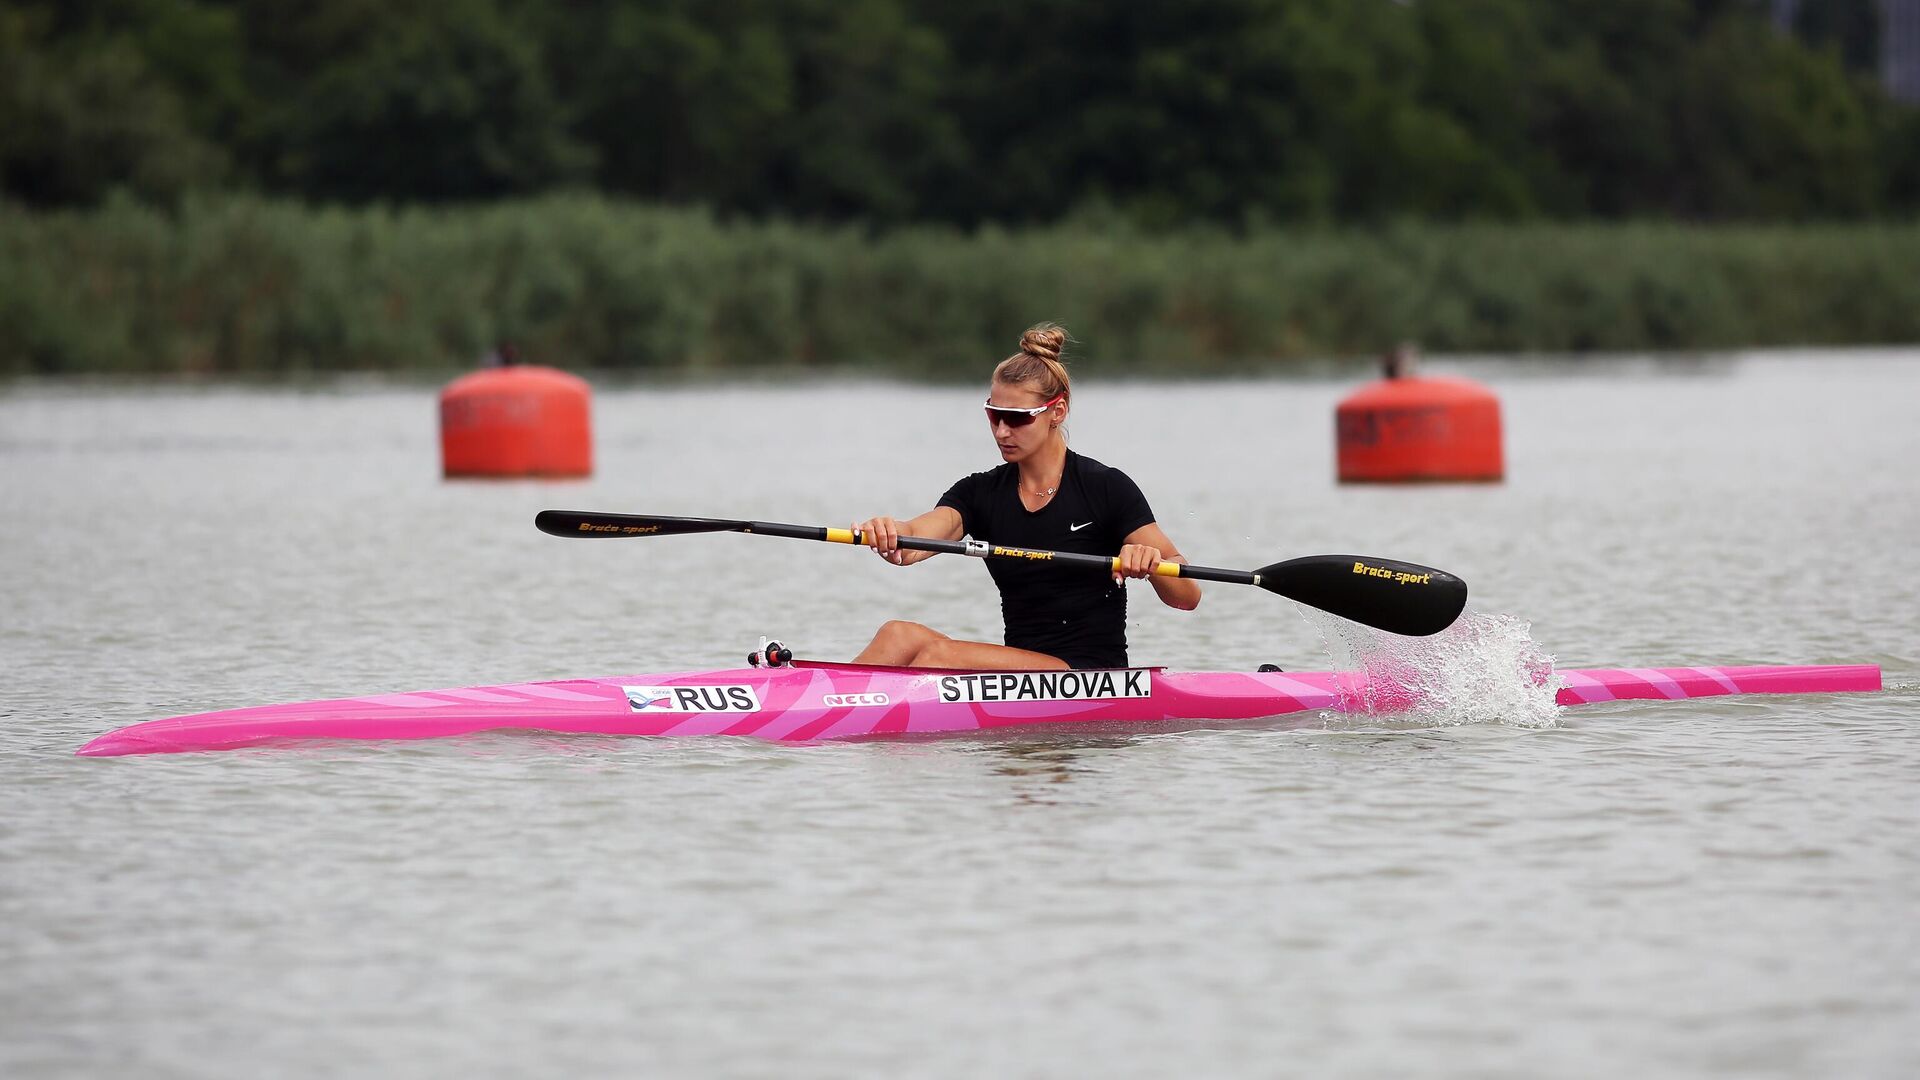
x=258 y=287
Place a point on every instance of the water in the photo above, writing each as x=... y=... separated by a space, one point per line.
x=1674 y=888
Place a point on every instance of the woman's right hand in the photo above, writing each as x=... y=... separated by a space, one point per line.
x=882 y=534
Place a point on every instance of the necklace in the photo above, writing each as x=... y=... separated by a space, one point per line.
x=1039 y=493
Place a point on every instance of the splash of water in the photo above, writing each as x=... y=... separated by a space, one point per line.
x=1484 y=669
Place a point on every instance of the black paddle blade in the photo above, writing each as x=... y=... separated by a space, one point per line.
x=587 y=523
x=1398 y=597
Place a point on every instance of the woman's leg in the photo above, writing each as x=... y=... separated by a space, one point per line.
x=909 y=644
x=896 y=643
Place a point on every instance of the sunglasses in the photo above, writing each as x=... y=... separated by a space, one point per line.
x=1019 y=418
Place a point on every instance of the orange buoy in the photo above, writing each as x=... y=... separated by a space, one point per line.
x=1419 y=429
x=514 y=421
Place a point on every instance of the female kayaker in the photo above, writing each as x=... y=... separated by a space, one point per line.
x=1048 y=497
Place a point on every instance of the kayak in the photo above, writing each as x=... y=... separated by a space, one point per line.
x=808 y=701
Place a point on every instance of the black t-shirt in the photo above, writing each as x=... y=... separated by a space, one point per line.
x=1075 y=613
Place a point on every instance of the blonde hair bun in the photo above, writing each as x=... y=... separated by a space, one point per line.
x=1037 y=365
x=1044 y=342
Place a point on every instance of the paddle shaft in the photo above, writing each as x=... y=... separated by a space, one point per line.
x=1400 y=597
x=980 y=549
x=566 y=524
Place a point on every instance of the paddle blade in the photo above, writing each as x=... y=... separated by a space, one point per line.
x=587 y=523
x=1398 y=597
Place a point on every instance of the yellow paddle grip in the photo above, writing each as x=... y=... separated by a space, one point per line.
x=1160 y=569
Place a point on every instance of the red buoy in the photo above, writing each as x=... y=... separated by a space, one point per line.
x=515 y=421
x=1419 y=429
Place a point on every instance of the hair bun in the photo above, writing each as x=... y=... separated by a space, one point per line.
x=1044 y=341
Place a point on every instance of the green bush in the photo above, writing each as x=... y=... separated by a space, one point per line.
x=250 y=286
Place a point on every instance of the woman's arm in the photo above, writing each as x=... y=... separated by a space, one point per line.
x=1143 y=549
x=883 y=534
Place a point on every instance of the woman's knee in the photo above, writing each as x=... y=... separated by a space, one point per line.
x=899 y=631
x=946 y=652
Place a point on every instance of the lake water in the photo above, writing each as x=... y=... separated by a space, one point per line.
x=1721 y=887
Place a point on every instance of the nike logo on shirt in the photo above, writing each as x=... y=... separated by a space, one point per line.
x=1077 y=528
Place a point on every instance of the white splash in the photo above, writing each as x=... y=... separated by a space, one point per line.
x=1484 y=669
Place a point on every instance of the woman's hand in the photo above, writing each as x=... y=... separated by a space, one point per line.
x=882 y=534
x=1137 y=561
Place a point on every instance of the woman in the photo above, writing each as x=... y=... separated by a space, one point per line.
x=1044 y=496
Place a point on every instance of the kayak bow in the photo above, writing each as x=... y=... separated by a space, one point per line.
x=816 y=701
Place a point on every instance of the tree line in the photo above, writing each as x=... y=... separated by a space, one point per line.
x=1158 y=112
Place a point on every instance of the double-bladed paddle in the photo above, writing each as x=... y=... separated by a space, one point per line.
x=1398 y=597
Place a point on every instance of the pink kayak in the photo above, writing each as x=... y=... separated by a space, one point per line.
x=814 y=701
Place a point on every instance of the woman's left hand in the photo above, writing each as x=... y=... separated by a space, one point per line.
x=1137 y=561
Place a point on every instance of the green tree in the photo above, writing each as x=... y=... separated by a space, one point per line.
x=1850 y=26
x=869 y=136
x=90 y=106
x=680 y=100
x=407 y=101
x=810 y=107
x=1163 y=109
x=1770 y=131
x=1298 y=109
x=1160 y=112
